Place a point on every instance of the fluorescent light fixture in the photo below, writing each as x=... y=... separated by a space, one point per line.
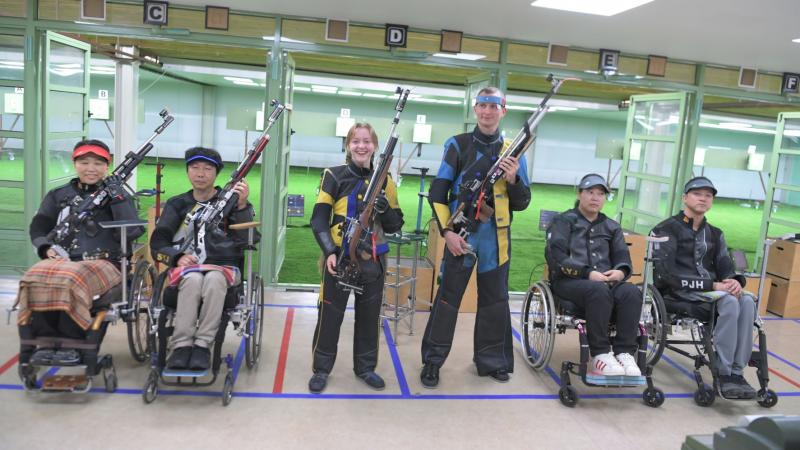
x=371 y=95
x=350 y=93
x=324 y=89
x=240 y=79
x=735 y=125
x=596 y=7
x=796 y=40
x=748 y=130
x=466 y=56
x=520 y=108
x=449 y=102
x=284 y=39
x=424 y=100
x=246 y=83
x=563 y=108
x=301 y=89
x=81 y=22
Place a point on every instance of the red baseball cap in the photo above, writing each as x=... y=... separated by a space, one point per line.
x=93 y=149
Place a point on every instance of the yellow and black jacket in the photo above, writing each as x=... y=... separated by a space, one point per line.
x=341 y=193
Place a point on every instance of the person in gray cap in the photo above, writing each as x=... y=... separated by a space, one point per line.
x=695 y=266
x=589 y=263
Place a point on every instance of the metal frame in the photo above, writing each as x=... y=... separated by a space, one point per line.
x=677 y=156
x=778 y=151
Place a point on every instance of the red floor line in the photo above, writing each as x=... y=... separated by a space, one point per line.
x=9 y=363
x=280 y=371
x=785 y=378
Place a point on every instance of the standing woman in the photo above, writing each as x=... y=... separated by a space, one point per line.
x=589 y=263
x=340 y=197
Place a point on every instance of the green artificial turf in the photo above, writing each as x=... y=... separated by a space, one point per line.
x=740 y=223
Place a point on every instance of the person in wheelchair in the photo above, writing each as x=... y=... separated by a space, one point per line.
x=77 y=276
x=203 y=284
x=694 y=269
x=589 y=262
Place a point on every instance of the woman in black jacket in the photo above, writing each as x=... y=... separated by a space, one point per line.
x=589 y=263
x=340 y=198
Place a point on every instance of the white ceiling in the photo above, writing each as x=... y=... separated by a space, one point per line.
x=750 y=33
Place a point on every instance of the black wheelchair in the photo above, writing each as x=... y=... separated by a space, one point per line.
x=544 y=315
x=51 y=340
x=244 y=307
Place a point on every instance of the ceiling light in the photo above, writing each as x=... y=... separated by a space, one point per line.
x=466 y=56
x=563 y=108
x=449 y=102
x=796 y=40
x=520 y=108
x=324 y=89
x=735 y=125
x=245 y=83
x=599 y=8
x=371 y=95
x=284 y=39
x=302 y=89
x=243 y=80
x=749 y=130
x=424 y=100
x=350 y=93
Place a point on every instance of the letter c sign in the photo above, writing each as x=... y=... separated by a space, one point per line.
x=155 y=13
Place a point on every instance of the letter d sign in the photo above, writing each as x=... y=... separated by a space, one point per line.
x=396 y=35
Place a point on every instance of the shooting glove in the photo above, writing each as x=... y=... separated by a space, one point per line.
x=381 y=204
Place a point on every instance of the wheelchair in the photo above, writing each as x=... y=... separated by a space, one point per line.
x=545 y=315
x=51 y=340
x=698 y=320
x=244 y=307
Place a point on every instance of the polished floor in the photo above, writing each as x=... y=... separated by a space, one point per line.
x=272 y=408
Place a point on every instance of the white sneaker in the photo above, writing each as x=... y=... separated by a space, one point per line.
x=606 y=365
x=629 y=364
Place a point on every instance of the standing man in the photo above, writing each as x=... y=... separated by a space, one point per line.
x=203 y=283
x=468 y=157
x=694 y=266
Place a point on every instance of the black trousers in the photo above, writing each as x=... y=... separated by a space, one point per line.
x=600 y=302
x=493 y=345
x=331 y=308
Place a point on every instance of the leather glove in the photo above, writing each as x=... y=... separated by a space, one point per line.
x=381 y=204
x=115 y=186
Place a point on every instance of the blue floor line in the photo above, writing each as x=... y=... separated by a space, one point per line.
x=547 y=369
x=783 y=360
x=398 y=365
x=47 y=374
x=674 y=364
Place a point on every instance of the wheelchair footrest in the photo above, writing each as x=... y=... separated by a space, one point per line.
x=66 y=383
x=184 y=373
x=53 y=357
x=618 y=380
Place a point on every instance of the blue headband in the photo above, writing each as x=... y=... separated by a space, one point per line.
x=490 y=99
x=205 y=158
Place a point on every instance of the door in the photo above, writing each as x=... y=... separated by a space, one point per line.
x=651 y=168
x=275 y=168
x=473 y=86
x=782 y=201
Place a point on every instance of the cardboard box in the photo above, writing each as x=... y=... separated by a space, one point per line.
x=784 y=260
x=784 y=297
x=752 y=286
x=469 y=302
x=424 y=287
x=637 y=246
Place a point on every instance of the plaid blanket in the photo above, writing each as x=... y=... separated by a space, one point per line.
x=231 y=273
x=58 y=285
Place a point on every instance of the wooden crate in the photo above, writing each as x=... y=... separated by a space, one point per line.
x=784 y=260
x=784 y=297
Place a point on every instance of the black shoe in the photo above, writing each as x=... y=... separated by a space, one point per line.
x=729 y=386
x=43 y=357
x=318 y=382
x=373 y=380
x=67 y=357
x=501 y=376
x=429 y=376
x=179 y=359
x=747 y=391
x=201 y=359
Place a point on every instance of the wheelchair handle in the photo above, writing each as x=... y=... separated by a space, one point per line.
x=8 y=313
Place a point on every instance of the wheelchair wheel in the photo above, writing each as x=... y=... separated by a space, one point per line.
x=227 y=390
x=704 y=396
x=654 y=316
x=110 y=379
x=150 y=391
x=139 y=296
x=768 y=399
x=255 y=323
x=653 y=397
x=538 y=325
x=28 y=376
x=568 y=396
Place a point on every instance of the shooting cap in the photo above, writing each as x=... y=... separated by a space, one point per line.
x=592 y=180
x=208 y=155
x=699 y=183
x=91 y=146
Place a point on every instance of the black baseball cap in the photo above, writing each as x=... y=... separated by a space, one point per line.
x=699 y=183
x=591 y=180
x=208 y=155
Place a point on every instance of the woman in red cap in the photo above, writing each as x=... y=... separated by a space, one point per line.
x=88 y=256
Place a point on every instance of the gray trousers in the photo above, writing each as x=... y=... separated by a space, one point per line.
x=733 y=332
x=201 y=297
